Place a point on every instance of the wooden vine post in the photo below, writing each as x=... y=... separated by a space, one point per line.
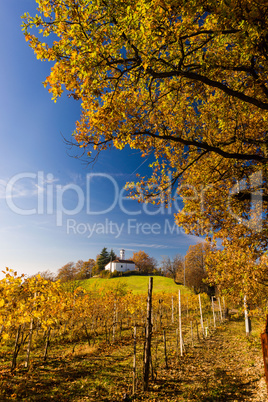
x=114 y=320
x=165 y=348
x=213 y=311
x=148 y=338
x=134 y=360
x=1 y=331
x=26 y=364
x=264 y=343
x=47 y=344
x=16 y=349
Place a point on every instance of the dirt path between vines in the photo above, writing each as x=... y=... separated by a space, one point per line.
x=224 y=367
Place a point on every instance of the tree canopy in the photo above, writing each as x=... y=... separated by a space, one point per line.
x=73 y=271
x=102 y=259
x=68 y=272
x=183 y=81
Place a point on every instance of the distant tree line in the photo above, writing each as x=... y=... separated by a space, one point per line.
x=189 y=270
x=86 y=269
x=71 y=271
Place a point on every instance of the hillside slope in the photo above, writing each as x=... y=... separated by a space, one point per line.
x=138 y=284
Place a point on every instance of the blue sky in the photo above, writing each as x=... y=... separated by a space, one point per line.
x=54 y=208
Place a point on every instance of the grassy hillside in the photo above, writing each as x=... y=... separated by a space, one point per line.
x=138 y=284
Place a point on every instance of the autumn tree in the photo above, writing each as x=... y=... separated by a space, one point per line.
x=47 y=275
x=184 y=82
x=78 y=267
x=195 y=267
x=173 y=268
x=75 y=271
x=67 y=272
x=238 y=274
x=144 y=263
x=86 y=269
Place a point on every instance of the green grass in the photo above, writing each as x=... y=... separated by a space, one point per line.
x=138 y=284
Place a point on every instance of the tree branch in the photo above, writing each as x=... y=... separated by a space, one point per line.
x=212 y=83
x=205 y=146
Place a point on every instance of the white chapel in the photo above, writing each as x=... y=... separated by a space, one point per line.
x=121 y=264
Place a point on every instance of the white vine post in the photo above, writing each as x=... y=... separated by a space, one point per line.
x=224 y=307
x=220 y=308
x=201 y=315
x=177 y=343
x=172 y=312
x=184 y=281
x=192 y=334
x=247 y=319
x=180 y=328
